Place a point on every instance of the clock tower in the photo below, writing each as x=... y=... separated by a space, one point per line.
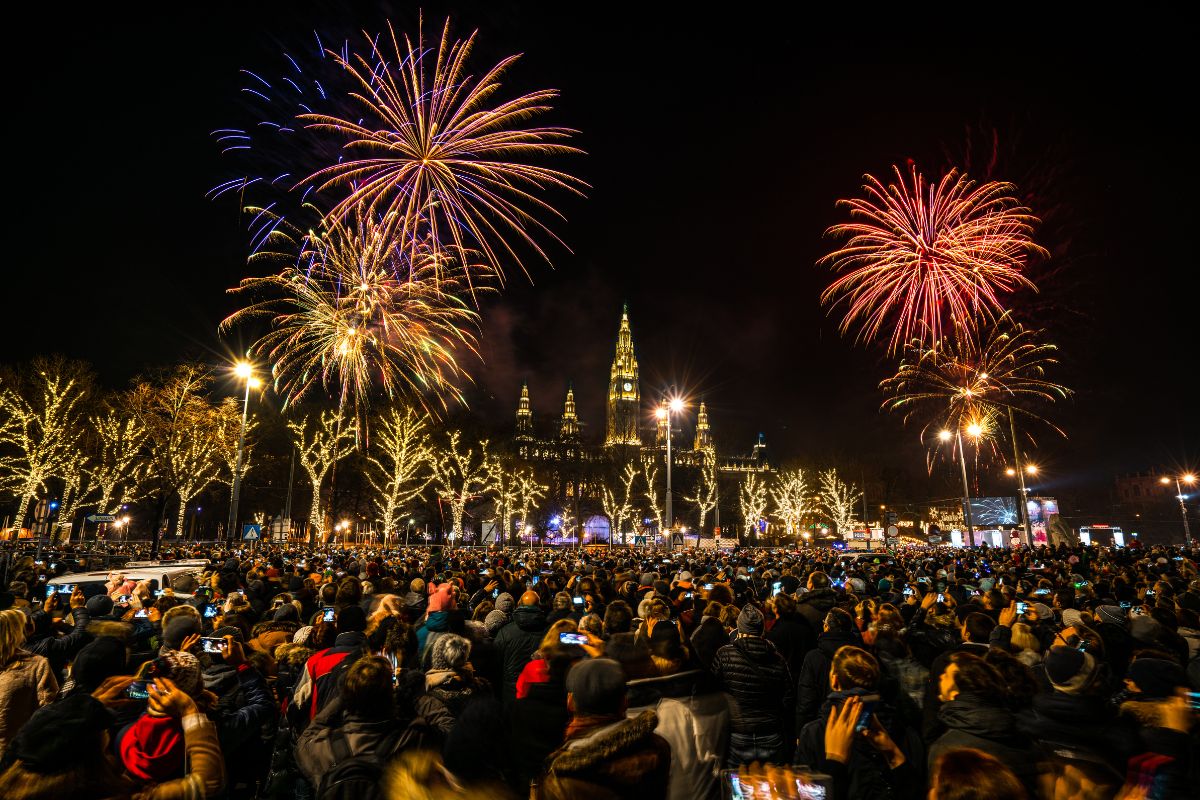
x=624 y=395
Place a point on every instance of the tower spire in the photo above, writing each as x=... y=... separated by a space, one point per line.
x=569 y=427
x=703 y=439
x=624 y=393
x=524 y=413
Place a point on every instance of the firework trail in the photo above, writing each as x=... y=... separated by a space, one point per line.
x=920 y=256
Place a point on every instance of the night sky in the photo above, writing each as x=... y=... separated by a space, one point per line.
x=717 y=148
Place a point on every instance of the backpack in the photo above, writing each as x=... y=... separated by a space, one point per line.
x=355 y=777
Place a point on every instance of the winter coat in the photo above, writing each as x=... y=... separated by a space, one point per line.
x=381 y=738
x=813 y=684
x=757 y=677
x=26 y=682
x=415 y=604
x=709 y=637
x=972 y=721
x=318 y=682
x=867 y=775
x=58 y=650
x=622 y=759
x=814 y=605
x=456 y=688
x=910 y=676
x=932 y=727
x=1080 y=722
x=693 y=717
x=539 y=720
x=436 y=623
x=516 y=644
x=245 y=716
x=793 y=637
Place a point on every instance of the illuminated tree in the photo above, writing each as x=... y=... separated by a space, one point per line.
x=181 y=436
x=839 y=499
x=41 y=427
x=790 y=494
x=510 y=484
x=752 y=501
x=460 y=475
x=229 y=430
x=119 y=467
x=400 y=459
x=321 y=441
x=620 y=511
x=650 y=476
x=705 y=497
x=530 y=492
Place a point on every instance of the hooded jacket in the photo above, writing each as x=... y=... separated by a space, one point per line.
x=380 y=738
x=318 y=681
x=709 y=637
x=793 y=636
x=1082 y=722
x=26 y=682
x=973 y=721
x=757 y=677
x=622 y=759
x=814 y=605
x=516 y=643
x=813 y=686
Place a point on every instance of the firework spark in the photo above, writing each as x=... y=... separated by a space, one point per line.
x=356 y=312
x=430 y=146
x=922 y=256
x=974 y=377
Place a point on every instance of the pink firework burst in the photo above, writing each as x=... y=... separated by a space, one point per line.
x=922 y=257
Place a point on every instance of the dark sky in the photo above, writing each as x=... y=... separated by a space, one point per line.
x=717 y=147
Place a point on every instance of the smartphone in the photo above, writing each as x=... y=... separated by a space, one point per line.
x=1081 y=584
x=1149 y=593
x=1194 y=700
x=708 y=587
x=210 y=611
x=213 y=644
x=1022 y=606
x=749 y=569
x=869 y=701
x=1125 y=604
x=65 y=588
x=138 y=690
x=1137 y=611
x=54 y=565
x=566 y=637
x=141 y=613
x=495 y=593
x=688 y=595
x=577 y=600
x=776 y=588
x=534 y=580
x=123 y=599
x=330 y=613
x=1042 y=592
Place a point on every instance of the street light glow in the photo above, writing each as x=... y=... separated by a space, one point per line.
x=1032 y=469
x=676 y=404
x=1189 y=478
x=243 y=370
x=944 y=435
x=660 y=412
x=1010 y=472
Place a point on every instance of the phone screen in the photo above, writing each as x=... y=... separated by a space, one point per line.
x=776 y=588
x=1194 y=700
x=138 y=690
x=1022 y=606
x=213 y=644
x=210 y=611
x=941 y=598
x=141 y=613
x=330 y=613
x=577 y=601
x=495 y=593
x=566 y=637
x=708 y=587
x=65 y=588
x=908 y=591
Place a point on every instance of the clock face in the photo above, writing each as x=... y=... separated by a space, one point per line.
x=628 y=386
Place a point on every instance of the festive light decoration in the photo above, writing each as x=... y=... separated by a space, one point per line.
x=530 y=493
x=321 y=440
x=974 y=376
x=838 y=499
x=919 y=256
x=356 y=312
x=791 y=497
x=229 y=422
x=620 y=510
x=650 y=492
x=428 y=149
x=705 y=496
x=752 y=501
x=41 y=427
x=460 y=475
x=400 y=456
x=119 y=468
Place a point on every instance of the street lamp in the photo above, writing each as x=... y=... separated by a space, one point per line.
x=245 y=372
x=973 y=429
x=664 y=412
x=1189 y=479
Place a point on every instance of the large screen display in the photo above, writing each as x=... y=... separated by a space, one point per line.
x=994 y=511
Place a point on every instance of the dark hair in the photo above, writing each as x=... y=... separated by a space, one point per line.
x=367 y=690
x=839 y=621
x=618 y=618
x=349 y=592
x=855 y=668
x=784 y=604
x=979 y=627
x=819 y=580
x=1020 y=685
x=401 y=642
x=976 y=676
x=969 y=774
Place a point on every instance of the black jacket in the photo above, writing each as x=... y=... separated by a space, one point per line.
x=709 y=637
x=516 y=643
x=58 y=650
x=814 y=673
x=932 y=727
x=793 y=637
x=1083 y=722
x=972 y=721
x=814 y=605
x=757 y=677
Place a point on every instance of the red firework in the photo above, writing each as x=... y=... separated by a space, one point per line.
x=923 y=257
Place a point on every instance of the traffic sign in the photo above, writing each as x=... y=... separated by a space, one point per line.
x=101 y=518
x=251 y=532
x=893 y=531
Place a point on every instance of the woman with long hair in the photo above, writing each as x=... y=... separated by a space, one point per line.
x=26 y=680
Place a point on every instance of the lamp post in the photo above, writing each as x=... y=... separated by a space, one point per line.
x=245 y=372
x=1189 y=479
x=973 y=429
x=664 y=412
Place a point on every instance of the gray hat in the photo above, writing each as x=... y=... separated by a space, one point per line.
x=750 y=621
x=1112 y=615
x=505 y=603
x=596 y=686
x=647 y=579
x=100 y=606
x=494 y=621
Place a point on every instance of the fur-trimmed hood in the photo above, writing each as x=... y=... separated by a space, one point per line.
x=604 y=744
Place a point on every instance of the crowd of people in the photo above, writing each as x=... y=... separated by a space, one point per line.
x=330 y=673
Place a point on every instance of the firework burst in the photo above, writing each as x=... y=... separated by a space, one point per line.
x=975 y=377
x=355 y=312
x=432 y=152
x=920 y=257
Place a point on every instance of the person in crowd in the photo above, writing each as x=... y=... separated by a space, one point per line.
x=838 y=631
x=451 y=678
x=518 y=641
x=967 y=774
x=754 y=673
x=606 y=754
x=26 y=680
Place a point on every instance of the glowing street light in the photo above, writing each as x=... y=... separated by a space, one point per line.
x=1188 y=478
x=244 y=371
x=663 y=412
x=945 y=436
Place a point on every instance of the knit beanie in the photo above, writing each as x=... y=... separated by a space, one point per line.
x=151 y=749
x=417 y=586
x=494 y=621
x=441 y=599
x=1071 y=617
x=178 y=629
x=450 y=651
x=1156 y=677
x=100 y=606
x=750 y=621
x=184 y=670
x=98 y=660
x=1070 y=671
x=45 y=743
x=505 y=603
